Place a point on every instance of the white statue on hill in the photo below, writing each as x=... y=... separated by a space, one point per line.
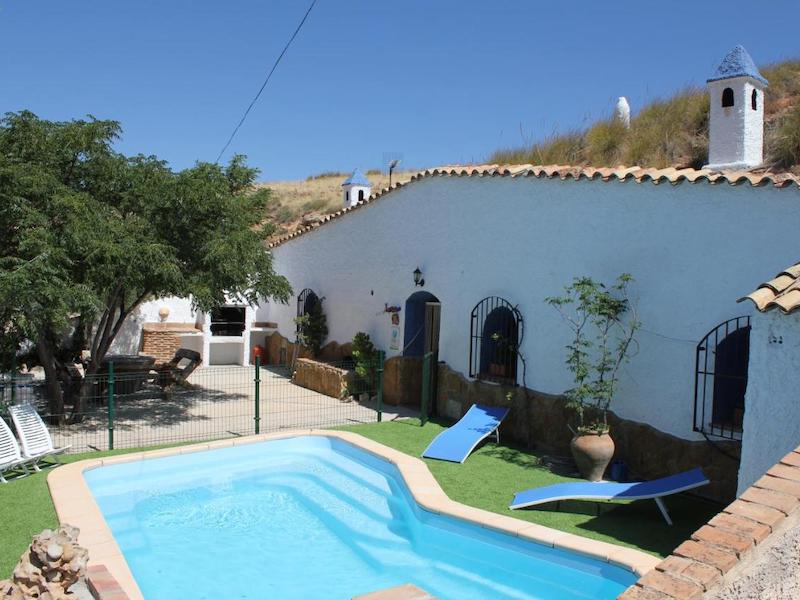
x=622 y=112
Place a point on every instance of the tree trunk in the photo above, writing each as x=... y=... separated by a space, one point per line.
x=55 y=395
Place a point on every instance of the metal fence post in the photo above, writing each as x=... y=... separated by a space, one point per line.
x=426 y=388
x=379 y=406
x=111 y=405
x=257 y=381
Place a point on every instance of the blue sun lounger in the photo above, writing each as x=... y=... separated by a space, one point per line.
x=603 y=490
x=456 y=443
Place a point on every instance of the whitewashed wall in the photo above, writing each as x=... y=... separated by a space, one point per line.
x=352 y=198
x=772 y=413
x=693 y=249
x=129 y=339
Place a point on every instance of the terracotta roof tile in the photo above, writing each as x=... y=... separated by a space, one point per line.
x=669 y=175
x=782 y=292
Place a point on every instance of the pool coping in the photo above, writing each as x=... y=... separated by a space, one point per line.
x=75 y=504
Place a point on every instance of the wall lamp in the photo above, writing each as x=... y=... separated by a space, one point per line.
x=419 y=281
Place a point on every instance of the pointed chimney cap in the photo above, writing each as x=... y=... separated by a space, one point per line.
x=737 y=63
x=357 y=178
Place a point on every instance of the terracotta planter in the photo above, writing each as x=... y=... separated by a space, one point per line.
x=592 y=453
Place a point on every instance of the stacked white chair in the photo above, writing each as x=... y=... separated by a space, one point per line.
x=33 y=434
x=10 y=457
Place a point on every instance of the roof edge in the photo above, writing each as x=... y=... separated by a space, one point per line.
x=637 y=174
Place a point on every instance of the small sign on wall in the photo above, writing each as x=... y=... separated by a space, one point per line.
x=394 y=334
x=394 y=331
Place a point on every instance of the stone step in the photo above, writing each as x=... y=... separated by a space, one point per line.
x=406 y=591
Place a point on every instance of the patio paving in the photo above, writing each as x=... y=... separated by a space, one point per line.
x=219 y=403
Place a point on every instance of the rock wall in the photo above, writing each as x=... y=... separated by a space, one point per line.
x=323 y=378
x=749 y=550
x=402 y=381
x=541 y=421
x=775 y=575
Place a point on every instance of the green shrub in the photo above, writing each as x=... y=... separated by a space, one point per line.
x=325 y=174
x=365 y=356
x=564 y=149
x=785 y=145
x=284 y=215
x=315 y=205
x=673 y=132
x=605 y=143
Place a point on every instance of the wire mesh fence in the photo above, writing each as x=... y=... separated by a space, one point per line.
x=140 y=410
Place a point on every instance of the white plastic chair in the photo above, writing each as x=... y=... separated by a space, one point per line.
x=33 y=434
x=10 y=457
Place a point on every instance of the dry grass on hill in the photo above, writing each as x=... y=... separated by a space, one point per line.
x=670 y=132
x=673 y=132
x=294 y=202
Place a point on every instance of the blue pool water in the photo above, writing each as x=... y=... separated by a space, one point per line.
x=313 y=517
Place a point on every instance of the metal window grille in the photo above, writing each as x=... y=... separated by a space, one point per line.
x=496 y=330
x=721 y=379
x=305 y=302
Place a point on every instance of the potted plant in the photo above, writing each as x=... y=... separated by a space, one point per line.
x=603 y=324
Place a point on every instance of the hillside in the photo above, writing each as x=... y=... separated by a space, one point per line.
x=669 y=132
x=293 y=203
x=673 y=132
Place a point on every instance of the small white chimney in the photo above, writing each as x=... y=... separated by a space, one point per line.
x=736 y=119
x=622 y=112
x=355 y=189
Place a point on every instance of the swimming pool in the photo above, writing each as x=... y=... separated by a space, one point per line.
x=315 y=517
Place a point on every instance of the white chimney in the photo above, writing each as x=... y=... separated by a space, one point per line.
x=355 y=189
x=736 y=119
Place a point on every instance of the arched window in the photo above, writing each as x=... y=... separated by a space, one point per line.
x=721 y=379
x=727 y=97
x=360 y=195
x=754 y=100
x=495 y=337
x=306 y=300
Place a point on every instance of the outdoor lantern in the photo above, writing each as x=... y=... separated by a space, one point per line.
x=418 y=280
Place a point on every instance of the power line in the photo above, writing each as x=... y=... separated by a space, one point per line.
x=266 y=81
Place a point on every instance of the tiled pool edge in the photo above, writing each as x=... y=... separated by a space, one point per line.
x=75 y=505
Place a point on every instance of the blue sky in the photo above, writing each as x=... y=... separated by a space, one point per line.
x=436 y=81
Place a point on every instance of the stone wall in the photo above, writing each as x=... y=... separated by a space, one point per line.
x=749 y=550
x=280 y=351
x=541 y=421
x=402 y=378
x=402 y=381
x=322 y=377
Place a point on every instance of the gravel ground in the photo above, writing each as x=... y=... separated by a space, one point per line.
x=774 y=576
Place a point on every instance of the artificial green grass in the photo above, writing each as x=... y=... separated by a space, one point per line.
x=488 y=480
x=26 y=508
x=492 y=474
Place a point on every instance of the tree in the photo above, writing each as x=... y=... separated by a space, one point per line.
x=87 y=234
x=602 y=339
